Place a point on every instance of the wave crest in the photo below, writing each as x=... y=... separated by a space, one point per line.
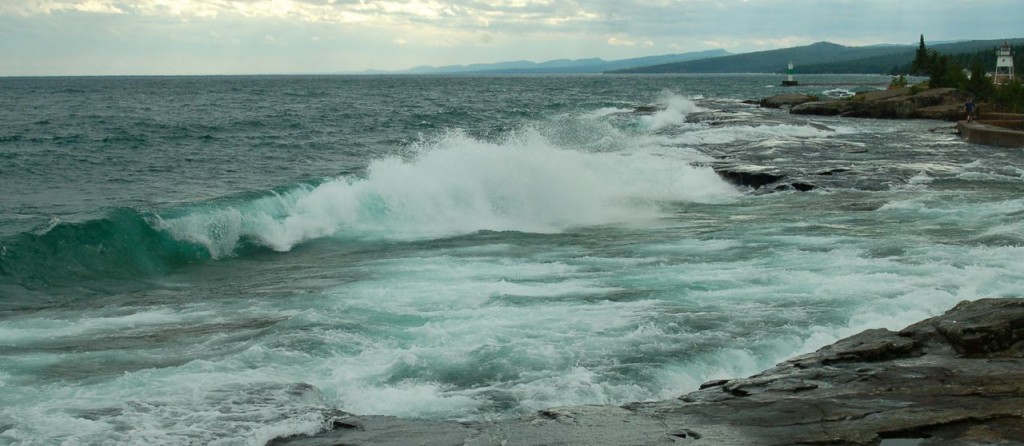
x=457 y=185
x=122 y=245
x=449 y=186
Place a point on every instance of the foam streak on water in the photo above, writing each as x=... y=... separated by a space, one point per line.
x=397 y=246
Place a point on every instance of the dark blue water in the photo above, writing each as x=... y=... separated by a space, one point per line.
x=223 y=260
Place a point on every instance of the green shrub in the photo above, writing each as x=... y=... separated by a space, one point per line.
x=898 y=82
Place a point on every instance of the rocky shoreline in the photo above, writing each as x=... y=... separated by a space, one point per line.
x=947 y=104
x=955 y=379
x=900 y=103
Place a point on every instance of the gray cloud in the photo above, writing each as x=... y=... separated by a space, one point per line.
x=246 y=36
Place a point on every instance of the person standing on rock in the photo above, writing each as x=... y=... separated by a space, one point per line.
x=969 y=108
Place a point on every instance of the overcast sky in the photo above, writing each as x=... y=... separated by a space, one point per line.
x=71 y=37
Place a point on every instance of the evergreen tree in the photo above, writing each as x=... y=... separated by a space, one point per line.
x=938 y=70
x=922 y=59
x=956 y=76
x=1010 y=97
x=979 y=84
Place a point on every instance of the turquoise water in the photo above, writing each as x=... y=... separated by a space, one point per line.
x=223 y=260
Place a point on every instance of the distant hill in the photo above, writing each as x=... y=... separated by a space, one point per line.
x=971 y=46
x=899 y=63
x=821 y=57
x=773 y=61
x=883 y=64
x=592 y=65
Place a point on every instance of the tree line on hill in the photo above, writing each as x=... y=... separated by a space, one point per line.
x=967 y=71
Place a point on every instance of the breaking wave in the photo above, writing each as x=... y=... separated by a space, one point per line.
x=451 y=185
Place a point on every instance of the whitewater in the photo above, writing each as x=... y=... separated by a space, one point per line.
x=227 y=260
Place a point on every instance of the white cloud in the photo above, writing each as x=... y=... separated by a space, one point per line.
x=615 y=41
x=97 y=6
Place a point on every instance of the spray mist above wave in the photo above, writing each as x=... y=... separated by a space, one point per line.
x=674 y=111
x=457 y=185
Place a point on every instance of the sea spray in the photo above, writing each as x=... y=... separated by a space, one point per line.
x=672 y=112
x=778 y=133
x=458 y=185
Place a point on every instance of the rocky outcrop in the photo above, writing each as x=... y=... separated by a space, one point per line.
x=901 y=103
x=786 y=100
x=956 y=379
x=823 y=108
x=760 y=178
x=753 y=178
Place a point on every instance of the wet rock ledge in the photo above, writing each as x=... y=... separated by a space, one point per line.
x=900 y=103
x=955 y=379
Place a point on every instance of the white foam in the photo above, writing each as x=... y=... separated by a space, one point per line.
x=458 y=185
x=932 y=168
x=409 y=399
x=447 y=336
x=461 y=321
x=747 y=133
x=33 y=329
x=606 y=111
x=674 y=113
x=992 y=176
x=920 y=178
x=934 y=207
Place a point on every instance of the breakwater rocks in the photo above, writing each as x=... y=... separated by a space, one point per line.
x=901 y=103
x=955 y=379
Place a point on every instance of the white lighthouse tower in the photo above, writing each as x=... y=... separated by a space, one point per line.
x=1004 y=65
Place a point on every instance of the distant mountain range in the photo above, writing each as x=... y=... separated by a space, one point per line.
x=821 y=57
x=592 y=65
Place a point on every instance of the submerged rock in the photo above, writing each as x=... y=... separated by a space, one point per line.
x=646 y=109
x=955 y=379
x=759 y=178
x=748 y=177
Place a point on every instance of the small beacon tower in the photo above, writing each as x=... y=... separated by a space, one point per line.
x=1004 y=65
x=789 y=82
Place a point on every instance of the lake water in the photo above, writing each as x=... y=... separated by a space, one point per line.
x=224 y=260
